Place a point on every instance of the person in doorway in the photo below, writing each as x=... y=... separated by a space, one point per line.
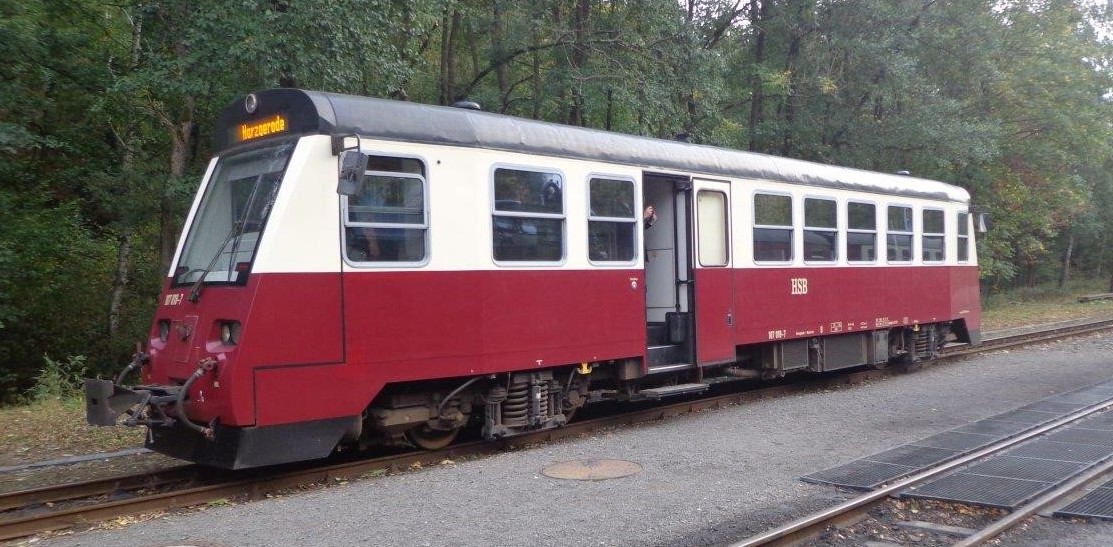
x=649 y=217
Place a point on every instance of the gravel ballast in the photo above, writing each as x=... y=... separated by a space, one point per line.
x=708 y=478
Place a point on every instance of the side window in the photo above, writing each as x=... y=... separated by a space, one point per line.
x=934 y=236
x=899 y=238
x=772 y=228
x=964 y=237
x=861 y=232
x=386 y=220
x=821 y=230
x=611 y=221
x=528 y=221
x=712 y=210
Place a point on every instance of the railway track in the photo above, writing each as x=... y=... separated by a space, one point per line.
x=855 y=509
x=28 y=512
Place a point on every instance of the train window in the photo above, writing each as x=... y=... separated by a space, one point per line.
x=230 y=219
x=963 y=237
x=712 y=211
x=611 y=220
x=528 y=221
x=933 y=247
x=772 y=228
x=899 y=237
x=821 y=230
x=861 y=232
x=386 y=219
x=396 y=165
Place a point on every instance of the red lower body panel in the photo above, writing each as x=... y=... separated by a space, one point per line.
x=419 y=325
x=321 y=346
x=784 y=303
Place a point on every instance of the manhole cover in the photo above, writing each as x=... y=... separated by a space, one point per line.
x=591 y=470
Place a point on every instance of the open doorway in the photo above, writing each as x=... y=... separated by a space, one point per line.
x=668 y=270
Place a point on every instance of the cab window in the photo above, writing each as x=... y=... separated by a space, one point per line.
x=386 y=220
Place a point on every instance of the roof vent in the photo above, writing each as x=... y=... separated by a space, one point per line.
x=904 y=172
x=467 y=105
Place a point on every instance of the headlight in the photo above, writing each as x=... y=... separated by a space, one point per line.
x=163 y=330
x=230 y=333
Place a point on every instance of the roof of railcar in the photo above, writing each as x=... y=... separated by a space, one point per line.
x=420 y=123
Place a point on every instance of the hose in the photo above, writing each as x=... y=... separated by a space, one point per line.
x=136 y=361
x=454 y=392
x=204 y=366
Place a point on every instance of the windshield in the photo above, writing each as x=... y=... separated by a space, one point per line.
x=229 y=222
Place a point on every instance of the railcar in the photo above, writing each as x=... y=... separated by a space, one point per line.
x=356 y=271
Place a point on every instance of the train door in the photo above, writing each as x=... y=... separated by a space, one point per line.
x=669 y=340
x=713 y=274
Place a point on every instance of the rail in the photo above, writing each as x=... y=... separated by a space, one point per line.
x=812 y=525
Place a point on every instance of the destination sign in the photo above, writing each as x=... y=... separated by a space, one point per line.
x=262 y=128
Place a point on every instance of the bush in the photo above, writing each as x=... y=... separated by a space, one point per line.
x=58 y=379
x=55 y=275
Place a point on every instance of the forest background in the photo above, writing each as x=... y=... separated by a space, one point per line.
x=106 y=110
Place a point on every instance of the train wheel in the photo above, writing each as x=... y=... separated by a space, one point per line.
x=431 y=439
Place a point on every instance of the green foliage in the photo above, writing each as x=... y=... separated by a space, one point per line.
x=53 y=274
x=58 y=380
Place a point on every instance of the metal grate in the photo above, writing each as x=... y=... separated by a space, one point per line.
x=1067 y=452
x=913 y=456
x=954 y=440
x=996 y=428
x=1103 y=421
x=1082 y=398
x=1002 y=481
x=1096 y=504
x=860 y=474
x=979 y=489
x=1031 y=469
x=1030 y=417
x=1053 y=407
x=1078 y=435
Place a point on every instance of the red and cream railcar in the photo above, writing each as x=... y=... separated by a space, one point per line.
x=359 y=271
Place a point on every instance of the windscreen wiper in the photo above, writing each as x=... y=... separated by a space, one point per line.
x=234 y=232
x=195 y=291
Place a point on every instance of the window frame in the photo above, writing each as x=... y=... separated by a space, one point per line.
x=426 y=213
x=832 y=230
x=635 y=219
x=911 y=234
x=874 y=232
x=495 y=212
x=940 y=236
x=962 y=237
x=725 y=229
x=791 y=228
x=197 y=222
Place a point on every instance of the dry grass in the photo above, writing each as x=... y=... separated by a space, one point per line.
x=1035 y=313
x=56 y=428
x=1044 y=304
